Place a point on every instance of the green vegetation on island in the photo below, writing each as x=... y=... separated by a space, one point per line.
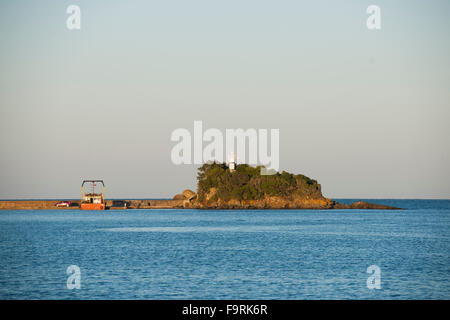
x=247 y=183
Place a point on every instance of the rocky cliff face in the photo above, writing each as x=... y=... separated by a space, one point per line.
x=268 y=202
x=212 y=201
x=282 y=203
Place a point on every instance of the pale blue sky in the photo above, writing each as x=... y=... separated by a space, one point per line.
x=366 y=113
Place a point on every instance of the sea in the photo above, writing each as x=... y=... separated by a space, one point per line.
x=228 y=254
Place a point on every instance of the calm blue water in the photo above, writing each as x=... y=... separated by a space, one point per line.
x=194 y=254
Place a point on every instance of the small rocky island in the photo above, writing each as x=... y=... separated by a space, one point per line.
x=244 y=187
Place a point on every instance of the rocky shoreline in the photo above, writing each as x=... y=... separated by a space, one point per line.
x=191 y=202
x=277 y=203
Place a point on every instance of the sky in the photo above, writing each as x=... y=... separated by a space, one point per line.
x=364 y=112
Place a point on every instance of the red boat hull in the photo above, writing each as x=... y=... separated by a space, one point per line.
x=92 y=206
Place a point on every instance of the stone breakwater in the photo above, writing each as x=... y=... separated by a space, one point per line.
x=75 y=204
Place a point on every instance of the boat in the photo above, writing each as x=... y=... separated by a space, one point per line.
x=93 y=200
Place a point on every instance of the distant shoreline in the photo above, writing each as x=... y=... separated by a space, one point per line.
x=132 y=204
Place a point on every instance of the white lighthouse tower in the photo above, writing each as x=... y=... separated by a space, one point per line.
x=232 y=162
